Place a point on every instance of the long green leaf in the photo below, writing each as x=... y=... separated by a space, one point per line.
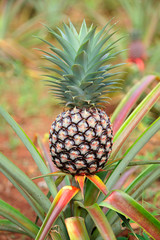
x=132 y=121
x=126 y=205
x=31 y=148
x=101 y=222
x=110 y=167
x=24 y=182
x=61 y=200
x=140 y=179
x=144 y=180
x=76 y=228
x=18 y=218
x=57 y=174
x=131 y=153
x=6 y=225
x=35 y=205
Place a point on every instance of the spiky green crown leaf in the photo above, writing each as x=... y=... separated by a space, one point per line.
x=84 y=77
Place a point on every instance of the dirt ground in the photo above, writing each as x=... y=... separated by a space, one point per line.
x=22 y=158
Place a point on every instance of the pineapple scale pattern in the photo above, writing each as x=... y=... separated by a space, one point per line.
x=81 y=141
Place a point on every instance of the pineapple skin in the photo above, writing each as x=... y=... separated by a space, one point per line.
x=81 y=141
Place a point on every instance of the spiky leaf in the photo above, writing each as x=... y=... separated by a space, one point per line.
x=82 y=62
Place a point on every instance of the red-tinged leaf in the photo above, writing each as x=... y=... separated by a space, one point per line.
x=76 y=228
x=132 y=121
x=101 y=222
x=125 y=176
x=81 y=180
x=92 y=190
x=61 y=200
x=46 y=155
x=98 y=182
x=129 y=101
x=126 y=205
x=50 y=164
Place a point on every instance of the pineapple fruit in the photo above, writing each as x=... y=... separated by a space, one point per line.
x=81 y=138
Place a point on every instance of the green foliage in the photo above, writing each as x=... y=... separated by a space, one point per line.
x=84 y=78
x=122 y=238
x=144 y=237
x=87 y=216
x=140 y=13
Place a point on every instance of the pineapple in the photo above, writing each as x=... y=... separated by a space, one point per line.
x=81 y=137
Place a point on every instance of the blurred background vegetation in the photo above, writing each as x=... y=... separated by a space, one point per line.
x=22 y=93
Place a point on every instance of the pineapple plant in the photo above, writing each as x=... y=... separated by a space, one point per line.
x=85 y=217
x=81 y=137
x=80 y=144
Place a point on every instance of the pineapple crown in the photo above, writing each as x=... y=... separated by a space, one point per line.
x=82 y=78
